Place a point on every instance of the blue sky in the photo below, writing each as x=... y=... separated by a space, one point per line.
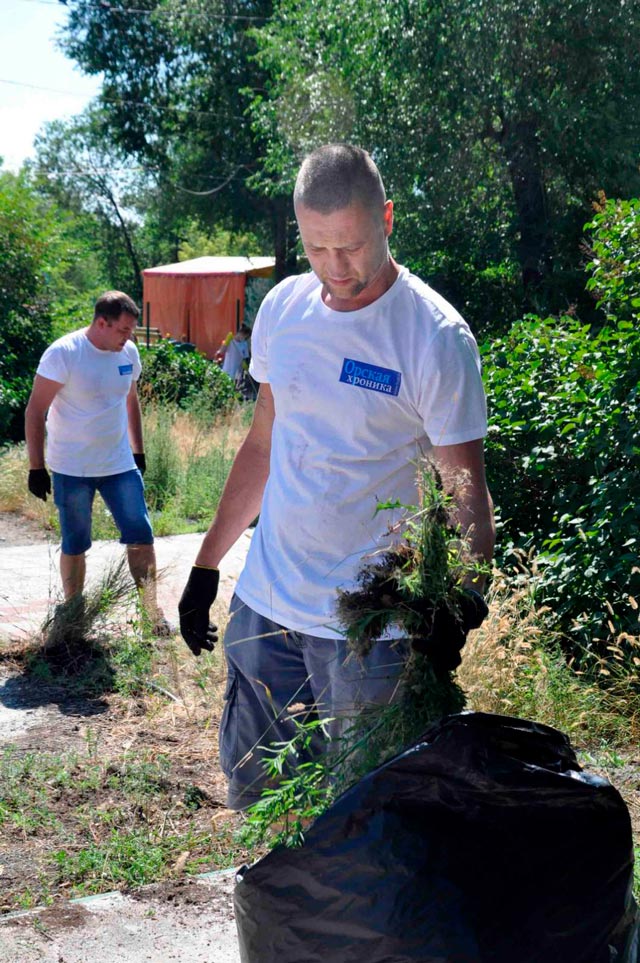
x=29 y=56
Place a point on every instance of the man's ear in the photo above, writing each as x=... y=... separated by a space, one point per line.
x=388 y=217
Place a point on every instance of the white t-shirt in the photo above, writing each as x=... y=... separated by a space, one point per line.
x=87 y=422
x=358 y=396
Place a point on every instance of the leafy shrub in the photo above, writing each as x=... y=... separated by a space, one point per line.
x=25 y=322
x=615 y=252
x=185 y=378
x=563 y=447
x=562 y=463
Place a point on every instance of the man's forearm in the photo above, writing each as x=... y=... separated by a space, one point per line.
x=240 y=503
x=35 y=434
x=477 y=522
x=134 y=416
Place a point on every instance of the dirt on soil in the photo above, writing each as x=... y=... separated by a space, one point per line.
x=17 y=530
x=172 y=726
x=177 y=740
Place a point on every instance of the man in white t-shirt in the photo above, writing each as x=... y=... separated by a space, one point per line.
x=362 y=369
x=85 y=400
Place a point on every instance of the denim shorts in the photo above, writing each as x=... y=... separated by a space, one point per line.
x=123 y=495
x=276 y=676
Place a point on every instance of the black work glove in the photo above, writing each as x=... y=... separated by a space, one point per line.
x=198 y=596
x=447 y=631
x=39 y=483
x=141 y=462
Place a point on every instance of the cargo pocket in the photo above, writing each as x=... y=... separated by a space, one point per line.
x=228 y=734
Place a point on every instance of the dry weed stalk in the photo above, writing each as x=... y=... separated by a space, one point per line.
x=73 y=624
x=514 y=665
x=14 y=495
x=496 y=653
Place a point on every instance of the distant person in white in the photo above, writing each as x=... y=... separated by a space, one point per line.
x=85 y=401
x=236 y=352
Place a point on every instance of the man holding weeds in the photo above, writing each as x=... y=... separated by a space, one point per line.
x=85 y=393
x=362 y=370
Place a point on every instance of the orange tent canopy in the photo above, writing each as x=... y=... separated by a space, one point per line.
x=200 y=300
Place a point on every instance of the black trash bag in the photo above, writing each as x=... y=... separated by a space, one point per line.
x=483 y=843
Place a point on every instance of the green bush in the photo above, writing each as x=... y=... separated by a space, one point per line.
x=185 y=378
x=562 y=459
x=25 y=321
x=615 y=252
x=563 y=446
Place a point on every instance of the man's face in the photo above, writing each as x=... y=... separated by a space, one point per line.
x=114 y=336
x=348 y=251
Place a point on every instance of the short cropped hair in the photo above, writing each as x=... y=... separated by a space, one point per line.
x=338 y=175
x=112 y=304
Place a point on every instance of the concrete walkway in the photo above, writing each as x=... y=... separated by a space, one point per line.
x=30 y=577
x=112 y=928
x=197 y=925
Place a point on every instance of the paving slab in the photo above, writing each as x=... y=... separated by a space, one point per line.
x=30 y=580
x=191 y=922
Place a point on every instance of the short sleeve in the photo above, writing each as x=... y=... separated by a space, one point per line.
x=452 y=399
x=258 y=366
x=54 y=364
x=135 y=360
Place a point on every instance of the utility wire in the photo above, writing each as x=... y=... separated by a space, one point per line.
x=127 y=103
x=152 y=172
x=168 y=14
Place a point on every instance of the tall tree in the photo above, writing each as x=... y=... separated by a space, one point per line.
x=81 y=172
x=175 y=75
x=494 y=121
x=25 y=318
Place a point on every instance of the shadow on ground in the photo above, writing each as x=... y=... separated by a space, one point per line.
x=75 y=680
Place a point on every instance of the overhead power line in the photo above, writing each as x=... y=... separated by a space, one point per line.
x=118 y=101
x=167 y=15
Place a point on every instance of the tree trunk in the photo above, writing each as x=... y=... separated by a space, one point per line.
x=284 y=237
x=520 y=145
x=131 y=251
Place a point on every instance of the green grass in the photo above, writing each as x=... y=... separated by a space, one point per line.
x=106 y=822
x=188 y=460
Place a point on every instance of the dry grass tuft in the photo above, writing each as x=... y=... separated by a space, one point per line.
x=14 y=494
x=194 y=437
x=514 y=665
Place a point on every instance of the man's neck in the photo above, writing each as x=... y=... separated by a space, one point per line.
x=379 y=285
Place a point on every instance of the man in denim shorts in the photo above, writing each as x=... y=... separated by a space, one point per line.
x=85 y=393
x=362 y=368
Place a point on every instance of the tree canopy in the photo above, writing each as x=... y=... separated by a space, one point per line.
x=494 y=123
x=174 y=99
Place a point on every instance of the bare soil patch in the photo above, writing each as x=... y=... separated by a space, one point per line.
x=17 y=530
x=103 y=791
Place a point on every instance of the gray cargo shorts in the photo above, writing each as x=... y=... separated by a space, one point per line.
x=276 y=676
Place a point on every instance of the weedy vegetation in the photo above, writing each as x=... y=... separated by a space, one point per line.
x=189 y=454
x=137 y=798
x=401 y=587
x=514 y=664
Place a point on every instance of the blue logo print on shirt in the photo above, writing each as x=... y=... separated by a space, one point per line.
x=364 y=375
x=125 y=369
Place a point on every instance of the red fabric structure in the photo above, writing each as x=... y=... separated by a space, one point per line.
x=201 y=300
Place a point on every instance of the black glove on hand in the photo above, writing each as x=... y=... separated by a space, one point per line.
x=198 y=596
x=449 y=632
x=39 y=483
x=141 y=462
